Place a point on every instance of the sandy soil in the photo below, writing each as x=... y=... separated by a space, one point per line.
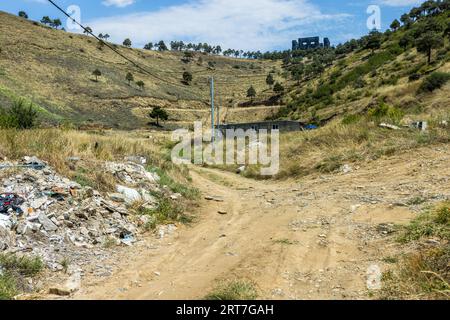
x=313 y=238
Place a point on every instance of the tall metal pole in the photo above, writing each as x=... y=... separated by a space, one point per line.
x=218 y=109
x=212 y=110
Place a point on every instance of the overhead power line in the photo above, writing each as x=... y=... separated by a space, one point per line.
x=135 y=64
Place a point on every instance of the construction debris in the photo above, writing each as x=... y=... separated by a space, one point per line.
x=421 y=125
x=50 y=216
x=389 y=126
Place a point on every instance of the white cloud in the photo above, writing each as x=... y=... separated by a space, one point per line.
x=118 y=3
x=401 y=3
x=240 y=24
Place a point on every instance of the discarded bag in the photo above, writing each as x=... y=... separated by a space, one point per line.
x=10 y=201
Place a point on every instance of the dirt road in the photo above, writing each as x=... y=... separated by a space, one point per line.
x=308 y=239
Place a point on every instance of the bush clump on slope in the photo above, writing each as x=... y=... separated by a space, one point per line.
x=434 y=81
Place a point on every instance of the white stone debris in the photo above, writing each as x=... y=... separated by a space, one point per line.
x=45 y=214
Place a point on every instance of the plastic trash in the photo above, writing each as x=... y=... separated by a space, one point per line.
x=10 y=201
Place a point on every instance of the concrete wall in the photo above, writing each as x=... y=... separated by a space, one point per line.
x=283 y=126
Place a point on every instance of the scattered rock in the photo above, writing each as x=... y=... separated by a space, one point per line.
x=346 y=169
x=47 y=224
x=136 y=159
x=389 y=126
x=213 y=198
x=222 y=212
x=130 y=195
x=176 y=196
x=241 y=169
x=117 y=197
x=56 y=217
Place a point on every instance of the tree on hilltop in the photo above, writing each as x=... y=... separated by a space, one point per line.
x=23 y=14
x=87 y=31
x=149 y=46
x=56 y=23
x=162 y=46
x=46 y=20
x=127 y=43
x=374 y=41
x=395 y=25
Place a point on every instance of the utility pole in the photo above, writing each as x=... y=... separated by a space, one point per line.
x=218 y=109
x=212 y=109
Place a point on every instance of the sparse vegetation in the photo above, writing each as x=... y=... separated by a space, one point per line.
x=234 y=290
x=20 y=116
x=167 y=211
x=432 y=223
x=424 y=274
x=434 y=81
x=14 y=270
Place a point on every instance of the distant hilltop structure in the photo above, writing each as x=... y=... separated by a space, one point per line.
x=310 y=43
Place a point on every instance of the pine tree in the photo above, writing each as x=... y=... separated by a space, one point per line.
x=97 y=73
x=129 y=77
x=159 y=113
x=127 y=43
x=251 y=93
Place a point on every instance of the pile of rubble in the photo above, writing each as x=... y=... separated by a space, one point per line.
x=46 y=214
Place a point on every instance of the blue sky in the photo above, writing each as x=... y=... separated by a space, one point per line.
x=239 y=24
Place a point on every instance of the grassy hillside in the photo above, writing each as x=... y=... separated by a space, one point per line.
x=53 y=69
x=349 y=91
x=354 y=78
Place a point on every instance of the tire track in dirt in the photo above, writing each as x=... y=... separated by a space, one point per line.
x=308 y=239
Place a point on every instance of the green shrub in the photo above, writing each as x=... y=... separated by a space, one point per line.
x=434 y=81
x=433 y=223
x=414 y=77
x=176 y=187
x=351 y=119
x=391 y=81
x=19 y=116
x=14 y=269
x=7 y=287
x=373 y=63
x=443 y=214
x=26 y=266
x=234 y=290
x=384 y=112
x=360 y=83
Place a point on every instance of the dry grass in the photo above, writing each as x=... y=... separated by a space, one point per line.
x=55 y=72
x=233 y=290
x=424 y=274
x=327 y=149
x=55 y=146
